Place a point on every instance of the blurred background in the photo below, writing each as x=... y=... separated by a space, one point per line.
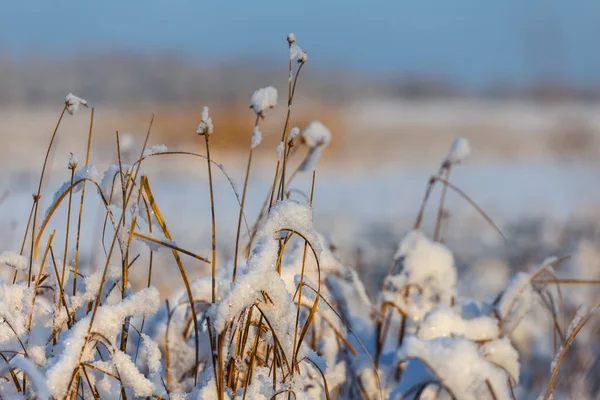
x=395 y=81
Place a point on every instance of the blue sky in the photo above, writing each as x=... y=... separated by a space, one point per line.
x=471 y=41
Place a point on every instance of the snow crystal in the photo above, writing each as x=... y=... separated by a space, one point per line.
x=280 y=149
x=14 y=260
x=157 y=148
x=206 y=124
x=256 y=137
x=131 y=377
x=444 y=321
x=151 y=353
x=263 y=99
x=459 y=151
x=73 y=103
x=582 y=312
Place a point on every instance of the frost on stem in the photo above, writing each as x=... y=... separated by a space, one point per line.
x=459 y=151
x=157 y=148
x=111 y=185
x=206 y=125
x=294 y=132
x=515 y=301
x=280 y=149
x=263 y=100
x=90 y=173
x=316 y=136
x=256 y=137
x=73 y=161
x=73 y=103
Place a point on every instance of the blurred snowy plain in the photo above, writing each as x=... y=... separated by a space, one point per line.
x=533 y=170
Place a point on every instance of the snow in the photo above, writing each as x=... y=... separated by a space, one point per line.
x=263 y=99
x=502 y=353
x=73 y=103
x=89 y=173
x=581 y=313
x=295 y=52
x=426 y=272
x=316 y=136
x=151 y=354
x=14 y=260
x=459 y=151
x=206 y=124
x=294 y=132
x=33 y=373
x=256 y=137
x=73 y=161
x=131 y=377
x=444 y=321
x=111 y=184
x=108 y=321
x=157 y=148
x=515 y=301
x=459 y=365
x=259 y=275
x=280 y=149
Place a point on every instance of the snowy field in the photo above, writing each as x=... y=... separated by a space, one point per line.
x=151 y=283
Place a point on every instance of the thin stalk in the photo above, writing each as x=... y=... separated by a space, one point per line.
x=37 y=282
x=213 y=223
x=286 y=132
x=440 y=214
x=301 y=284
x=239 y=226
x=64 y=266
x=87 y=160
x=125 y=254
x=38 y=195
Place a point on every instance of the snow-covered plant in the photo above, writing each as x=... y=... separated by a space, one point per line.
x=316 y=136
x=284 y=317
x=72 y=103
